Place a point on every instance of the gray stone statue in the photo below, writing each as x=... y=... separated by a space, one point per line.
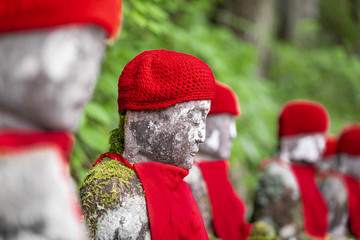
x=220 y=131
x=48 y=66
x=47 y=76
x=116 y=196
x=280 y=193
x=339 y=185
x=222 y=208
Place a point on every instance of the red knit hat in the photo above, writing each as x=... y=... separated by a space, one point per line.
x=330 y=147
x=302 y=116
x=16 y=15
x=349 y=141
x=161 y=78
x=225 y=101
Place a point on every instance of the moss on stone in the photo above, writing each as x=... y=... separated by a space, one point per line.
x=116 y=139
x=101 y=189
x=262 y=231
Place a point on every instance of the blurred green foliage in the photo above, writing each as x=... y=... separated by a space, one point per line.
x=315 y=71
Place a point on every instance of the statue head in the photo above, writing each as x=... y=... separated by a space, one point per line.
x=166 y=96
x=349 y=150
x=220 y=124
x=302 y=131
x=51 y=58
x=329 y=155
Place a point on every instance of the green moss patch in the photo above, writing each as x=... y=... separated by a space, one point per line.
x=116 y=139
x=101 y=189
x=262 y=231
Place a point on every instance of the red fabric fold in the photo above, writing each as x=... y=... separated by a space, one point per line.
x=353 y=192
x=16 y=140
x=172 y=210
x=314 y=207
x=227 y=207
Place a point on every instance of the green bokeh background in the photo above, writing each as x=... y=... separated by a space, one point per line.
x=314 y=67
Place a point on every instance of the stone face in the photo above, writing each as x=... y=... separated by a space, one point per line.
x=47 y=76
x=34 y=197
x=350 y=165
x=305 y=147
x=168 y=135
x=220 y=132
x=200 y=193
x=114 y=203
x=278 y=203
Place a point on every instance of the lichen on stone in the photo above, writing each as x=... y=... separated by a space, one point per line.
x=262 y=231
x=102 y=187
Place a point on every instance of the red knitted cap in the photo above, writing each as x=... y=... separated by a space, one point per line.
x=349 y=141
x=161 y=78
x=16 y=15
x=331 y=146
x=225 y=101
x=302 y=116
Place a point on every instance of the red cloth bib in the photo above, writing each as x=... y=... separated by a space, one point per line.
x=227 y=207
x=17 y=140
x=353 y=192
x=172 y=210
x=314 y=207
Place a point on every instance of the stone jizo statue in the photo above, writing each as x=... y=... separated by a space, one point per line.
x=50 y=58
x=222 y=209
x=341 y=189
x=136 y=191
x=287 y=196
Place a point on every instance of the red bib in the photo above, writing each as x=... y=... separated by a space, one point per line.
x=16 y=140
x=172 y=210
x=353 y=192
x=227 y=207
x=314 y=208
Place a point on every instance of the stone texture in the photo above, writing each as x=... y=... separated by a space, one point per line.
x=114 y=203
x=277 y=199
x=199 y=190
x=169 y=135
x=112 y=196
x=47 y=76
x=334 y=192
x=34 y=197
x=220 y=132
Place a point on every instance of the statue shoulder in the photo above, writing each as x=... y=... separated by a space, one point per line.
x=113 y=202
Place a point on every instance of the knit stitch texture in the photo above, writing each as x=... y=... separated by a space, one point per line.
x=225 y=101
x=160 y=78
x=16 y=15
x=303 y=117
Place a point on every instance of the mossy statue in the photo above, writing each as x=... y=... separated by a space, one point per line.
x=136 y=191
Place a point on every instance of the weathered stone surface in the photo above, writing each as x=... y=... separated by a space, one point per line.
x=114 y=203
x=334 y=191
x=112 y=195
x=200 y=193
x=350 y=165
x=47 y=76
x=169 y=135
x=277 y=201
x=220 y=132
x=34 y=197
x=305 y=147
